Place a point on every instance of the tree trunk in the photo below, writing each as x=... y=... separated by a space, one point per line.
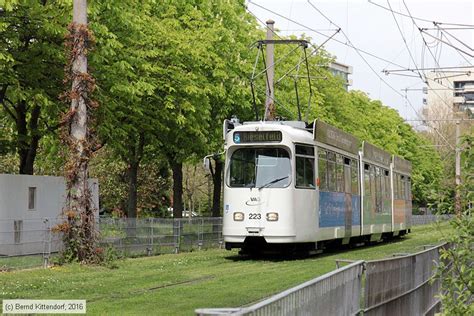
x=177 y=168
x=136 y=154
x=22 y=135
x=132 y=189
x=217 y=182
x=29 y=148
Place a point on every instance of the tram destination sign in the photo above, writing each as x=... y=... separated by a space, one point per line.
x=257 y=137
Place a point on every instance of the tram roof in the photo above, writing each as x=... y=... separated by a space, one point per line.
x=330 y=135
x=375 y=154
x=401 y=165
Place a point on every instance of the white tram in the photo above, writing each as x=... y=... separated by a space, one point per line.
x=292 y=186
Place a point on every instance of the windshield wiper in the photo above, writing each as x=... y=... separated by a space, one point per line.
x=272 y=182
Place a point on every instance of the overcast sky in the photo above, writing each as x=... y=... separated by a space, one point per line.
x=373 y=29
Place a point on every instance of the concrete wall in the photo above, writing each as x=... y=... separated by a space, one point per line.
x=33 y=223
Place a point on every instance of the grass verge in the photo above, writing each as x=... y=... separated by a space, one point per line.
x=178 y=284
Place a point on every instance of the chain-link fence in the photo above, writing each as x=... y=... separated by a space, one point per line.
x=152 y=236
x=428 y=219
x=27 y=243
x=31 y=243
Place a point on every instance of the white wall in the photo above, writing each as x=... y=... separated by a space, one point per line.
x=49 y=203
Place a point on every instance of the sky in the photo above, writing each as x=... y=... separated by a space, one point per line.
x=374 y=29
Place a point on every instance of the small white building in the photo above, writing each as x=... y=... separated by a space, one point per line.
x=29 y=206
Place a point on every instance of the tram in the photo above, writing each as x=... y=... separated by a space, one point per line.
x=293 y=186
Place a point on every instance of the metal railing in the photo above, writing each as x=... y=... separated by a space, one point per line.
x=402 y=285
x=396 y=286
x=335 y=293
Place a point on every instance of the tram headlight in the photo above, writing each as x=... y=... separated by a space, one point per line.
x=272 y=217
x=239 y=216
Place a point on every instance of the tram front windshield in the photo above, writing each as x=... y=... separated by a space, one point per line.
x=260 y=168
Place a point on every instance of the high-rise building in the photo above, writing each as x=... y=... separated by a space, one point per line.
x=454 y=88
x=342 y=71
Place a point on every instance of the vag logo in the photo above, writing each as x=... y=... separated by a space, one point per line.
x=253 y=201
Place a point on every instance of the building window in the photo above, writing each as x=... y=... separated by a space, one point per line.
x=31 y=198
x=17 y=228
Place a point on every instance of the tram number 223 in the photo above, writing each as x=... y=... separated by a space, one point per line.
x=255 y=216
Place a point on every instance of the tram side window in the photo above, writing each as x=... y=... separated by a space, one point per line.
x=304 y=166
x=366 y=180
x=395 y=185
x=387 y=184
x=378 y=190
x=323 y=170
x=355 y=177
x=339 y=173
x=400 y=188
x=331 y=171
x=382 y=184
x=404 y=188
x=372 y=184
x=347 y=175
x=409 y=189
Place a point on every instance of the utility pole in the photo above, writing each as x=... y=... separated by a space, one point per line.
x=80 y=235
x=457 y=198
x=270 y=93
x=78 y=131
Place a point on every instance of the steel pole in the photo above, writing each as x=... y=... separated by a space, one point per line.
x=457 y=198
x=270 y=94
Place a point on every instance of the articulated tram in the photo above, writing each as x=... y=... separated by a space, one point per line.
x=292 y=186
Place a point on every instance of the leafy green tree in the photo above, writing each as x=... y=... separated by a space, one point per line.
x=122 y=62
x=31 y=64
x=455 y=270
x=207 y=62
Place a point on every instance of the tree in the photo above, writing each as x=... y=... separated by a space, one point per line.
x=209 y=59
x=125 y=86
x=31 y=63
x=455 y=270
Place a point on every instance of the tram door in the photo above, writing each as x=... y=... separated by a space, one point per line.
x=347 y=197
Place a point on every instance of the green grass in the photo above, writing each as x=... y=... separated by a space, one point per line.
x=23 y=262
x=178 y=284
